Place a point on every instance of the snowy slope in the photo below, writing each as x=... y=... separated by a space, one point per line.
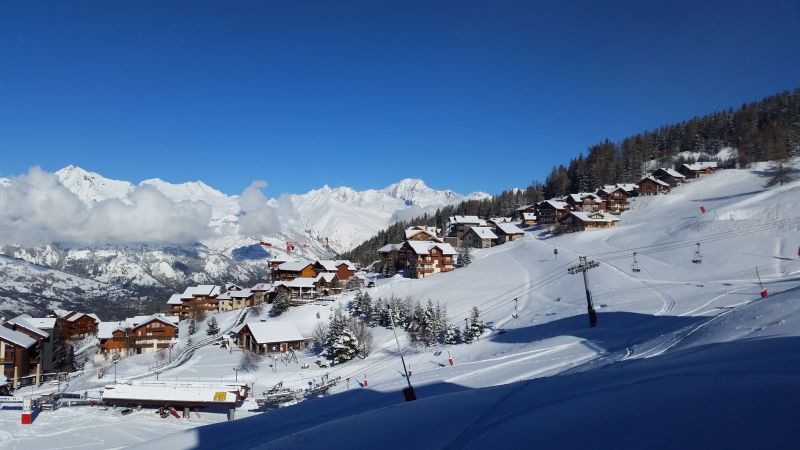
x=664 y=335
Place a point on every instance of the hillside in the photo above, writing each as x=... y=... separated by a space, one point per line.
x=664 y=336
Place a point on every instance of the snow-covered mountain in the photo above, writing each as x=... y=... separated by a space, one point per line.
x=321 y=222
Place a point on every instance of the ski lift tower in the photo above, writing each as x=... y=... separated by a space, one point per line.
x=584 y=266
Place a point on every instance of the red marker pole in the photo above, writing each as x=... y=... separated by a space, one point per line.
x=450 y=358
x=764 y=292
x=365 y=381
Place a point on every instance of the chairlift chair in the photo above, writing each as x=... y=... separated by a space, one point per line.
x=635 y=265
x=698 y=258
x=515 y=314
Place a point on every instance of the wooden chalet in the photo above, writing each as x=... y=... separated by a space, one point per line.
x=201 y=298
x=479 y=237
x=343 y=268
x=224 y=302
x=698 y=169
x=263 y=293
x=614 y=199
x=528 y=219
x=75 y=326
x=137 y=335
x=507 y=232
x=18 y=354
x=269 y=337
x=652 y=186
x=423 y=233
x=328 y=283
x=524 y=209
x=669 y=176
x=391 y=258
x=580 y=221
x=584 y=201
x=457 y=226
x=300 y=290
x=551 y=211
x=290 y=270
x=45 y=332
x=425 y=258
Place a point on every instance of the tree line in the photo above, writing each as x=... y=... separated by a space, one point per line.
x=765 y=130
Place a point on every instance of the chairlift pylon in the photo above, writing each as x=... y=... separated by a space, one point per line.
x=635 y=265
x=698 y=258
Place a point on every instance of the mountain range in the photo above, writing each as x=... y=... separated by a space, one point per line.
x=121 y=272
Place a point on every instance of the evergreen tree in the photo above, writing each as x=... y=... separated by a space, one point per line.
x=281 y=303
x=212 y=327
x=192 y=327
x=452 y=335
x=464 y=255
x=476 y=326
x=779 y=173
x=345 y=348
x=361 y=307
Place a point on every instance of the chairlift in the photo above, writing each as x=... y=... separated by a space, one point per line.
x=698 y=258
x=515 y=314
x=635 y=265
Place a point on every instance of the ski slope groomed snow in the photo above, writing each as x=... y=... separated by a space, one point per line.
x=685 y=355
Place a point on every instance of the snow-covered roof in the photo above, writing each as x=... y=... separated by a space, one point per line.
x=468 y=220
x=557 y=204
x=670 y=172
x=267 y=287
x=390 y=248
x=105 y=330
x=655 y=180
x=170 y=394
x=244 y=293
x=299 y=283
x=411 y=233
x=424 y=247
x=203 y=290
x=16 y=337
x=327 y=276
x=608 y=189
x=332 y=265
x=524 y=207
x=509 y=228
x=595 y=216
x=233 y=287
x=269 y=332
x=483 y=232
x=23 y=320
x=529 y=216
x=698 y=166
x=174 y=299
x=224 y=296
x=497 y=220
x=293 y=266
x=144 y=320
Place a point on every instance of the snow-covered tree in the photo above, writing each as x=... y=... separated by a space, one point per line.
x=192 y=327
x=475 y=326
x=281 y=303
x=212 y=327
x=464 y=255
x=361 y=307
x=452 y=335
x=344 y=348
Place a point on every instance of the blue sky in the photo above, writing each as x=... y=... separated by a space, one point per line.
x=466 y=95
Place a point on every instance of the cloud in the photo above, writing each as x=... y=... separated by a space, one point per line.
x=35 y=209
x=256 y=217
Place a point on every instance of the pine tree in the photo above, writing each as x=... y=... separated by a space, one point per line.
x=452 y=335
x=345 y=348
x=476 y=326
x=212 y=327
x=192 y=327
x=281 y=304
x=779 y=173
x=464 y=255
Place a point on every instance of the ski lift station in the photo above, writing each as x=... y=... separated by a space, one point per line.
x=176 y=395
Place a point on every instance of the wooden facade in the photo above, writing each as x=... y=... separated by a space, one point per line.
x=669 y=176
x=18 y=355
x=614 y=200
x=582 y=221
x=550 y=212
x=424 y=259
x=252 y=341
x=75 y=326
x=289 y=271
x=651 y=186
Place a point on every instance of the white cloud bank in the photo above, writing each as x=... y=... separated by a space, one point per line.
x=256 y=217
x=35 y=209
